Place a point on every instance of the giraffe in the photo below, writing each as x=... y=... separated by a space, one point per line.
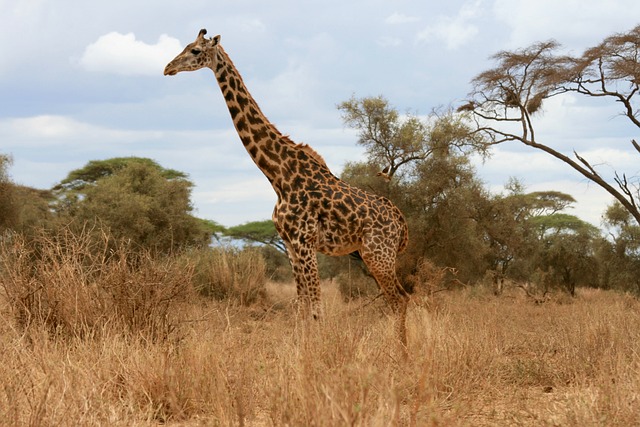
x=315 y=211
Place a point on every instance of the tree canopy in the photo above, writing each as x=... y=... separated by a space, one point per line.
x=137 y=199
x=95 y=170
x=393 y=141
x=263 y=232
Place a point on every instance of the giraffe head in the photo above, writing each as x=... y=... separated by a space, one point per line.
x=199 y=54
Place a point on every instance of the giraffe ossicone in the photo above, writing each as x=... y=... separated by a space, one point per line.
x=315 y=211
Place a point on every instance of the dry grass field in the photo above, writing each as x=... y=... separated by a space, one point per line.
x=474 y=360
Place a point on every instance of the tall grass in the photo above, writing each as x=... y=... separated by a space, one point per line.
x=230 y=273
x=474 y=359
x=76 y=284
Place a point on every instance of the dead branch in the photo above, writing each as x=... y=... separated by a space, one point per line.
x=586 y=163
x=536 y=299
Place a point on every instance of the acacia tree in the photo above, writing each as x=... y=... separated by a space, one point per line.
x=567 y=255
x=610 y=69
x=137 y=199
x=262 y=232
x=516 y=225
x=505 y=99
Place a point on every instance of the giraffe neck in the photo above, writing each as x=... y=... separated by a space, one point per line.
x=262 y=140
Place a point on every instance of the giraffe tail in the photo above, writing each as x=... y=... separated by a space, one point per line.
x=404 y=237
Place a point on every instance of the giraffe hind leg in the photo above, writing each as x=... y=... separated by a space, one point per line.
x=382 y=267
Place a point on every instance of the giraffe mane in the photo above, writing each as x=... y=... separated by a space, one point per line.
x=313 y=153
x=304 y=147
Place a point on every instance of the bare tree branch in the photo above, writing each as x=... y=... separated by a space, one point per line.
x=517 y=87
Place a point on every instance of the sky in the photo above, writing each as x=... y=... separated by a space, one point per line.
x=82 y=81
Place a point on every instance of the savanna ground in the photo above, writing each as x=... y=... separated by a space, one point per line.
x=474 y=360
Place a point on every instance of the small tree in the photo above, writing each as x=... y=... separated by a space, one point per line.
x=137 y=199
x=393 y=141
x=390 y=142
x=567 y=250
x=619 y=255
x=529 y=232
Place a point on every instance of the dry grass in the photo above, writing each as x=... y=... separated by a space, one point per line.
x=475 y=360
x=76 y=285
x=229 y=273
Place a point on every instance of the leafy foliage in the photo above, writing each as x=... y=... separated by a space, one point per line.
x=137 y=199
x=428 y=176
x=96 y=170
x=389 y=141
x=22 y=209
x=620 y=254
x=393 y=141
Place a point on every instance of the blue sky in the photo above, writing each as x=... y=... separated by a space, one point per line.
x=81 y=81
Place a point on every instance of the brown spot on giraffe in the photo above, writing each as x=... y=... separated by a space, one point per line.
x=315 y=211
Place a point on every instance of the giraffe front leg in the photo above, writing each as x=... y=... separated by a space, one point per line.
x=304 y=264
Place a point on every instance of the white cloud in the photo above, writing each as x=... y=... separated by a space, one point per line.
x=43 y=130
x=122 y=54
x=567 y=21
x=453 y=31
x=400 y=18
x=56 y=131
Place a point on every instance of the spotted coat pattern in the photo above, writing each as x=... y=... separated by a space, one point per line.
x=315 y=211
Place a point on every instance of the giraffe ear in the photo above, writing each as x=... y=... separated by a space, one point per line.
x=212 y=42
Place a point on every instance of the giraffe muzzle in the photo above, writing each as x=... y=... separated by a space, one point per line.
x=169 y=72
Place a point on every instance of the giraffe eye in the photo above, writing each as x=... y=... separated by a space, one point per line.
x=196 y=52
